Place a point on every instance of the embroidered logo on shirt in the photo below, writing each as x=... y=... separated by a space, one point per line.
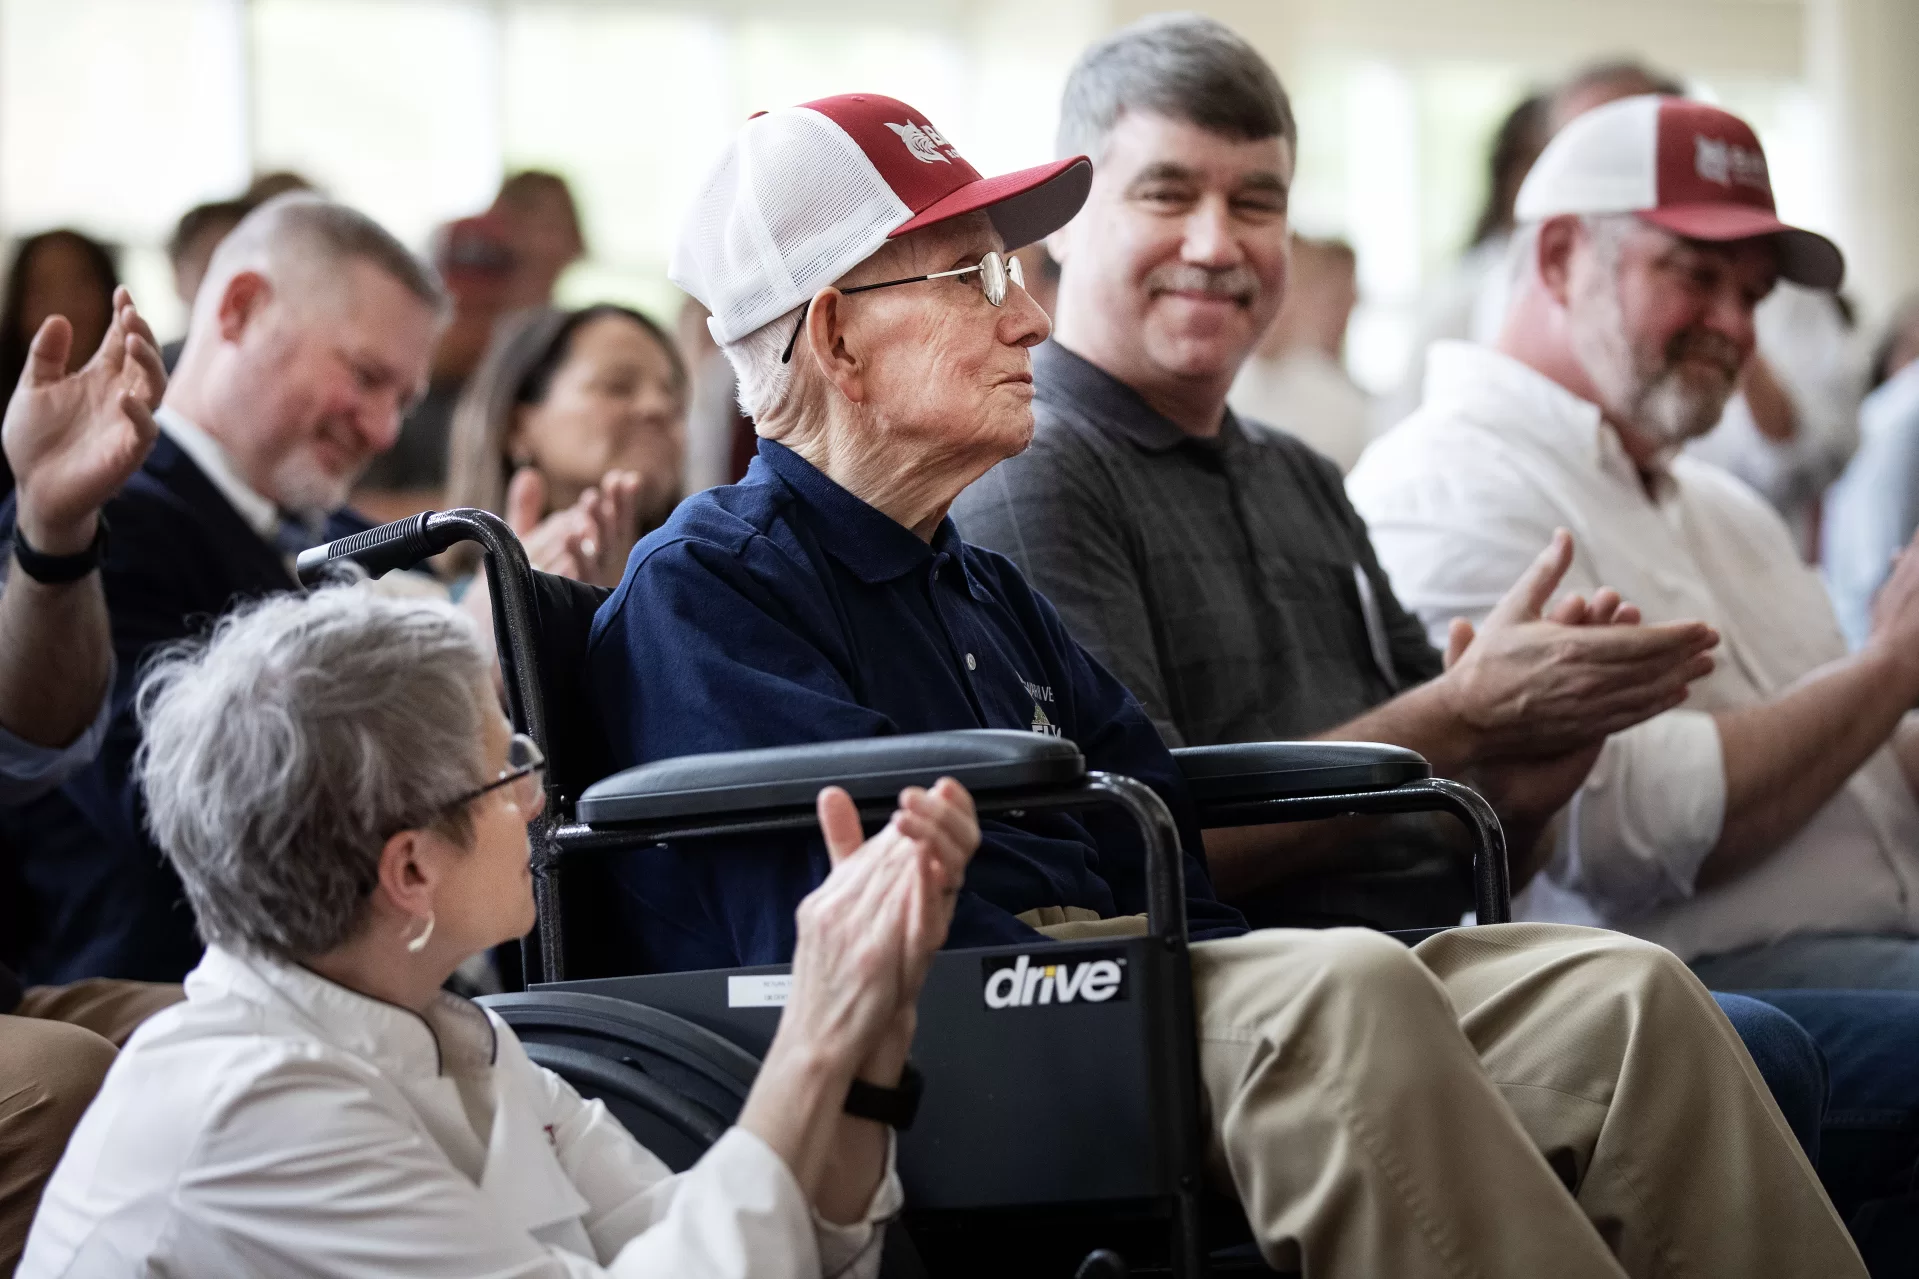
x=1043 y=725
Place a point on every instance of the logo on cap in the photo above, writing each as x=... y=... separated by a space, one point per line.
x=1728 y=162
x=924 y=141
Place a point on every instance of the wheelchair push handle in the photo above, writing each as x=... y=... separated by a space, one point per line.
x=404 y=543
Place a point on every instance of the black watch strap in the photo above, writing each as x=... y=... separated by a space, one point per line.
x=58 y=570
x=894 y=1107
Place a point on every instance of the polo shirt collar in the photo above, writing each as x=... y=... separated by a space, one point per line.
x=1071 y=383
x=873 y=545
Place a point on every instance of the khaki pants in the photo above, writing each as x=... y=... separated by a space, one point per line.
x=1515 y=1100
x=53 y=1055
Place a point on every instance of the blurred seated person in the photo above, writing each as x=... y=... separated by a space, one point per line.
x=60 y=273
x=829 y=596
x=1296 y=379
x=309 y=337
x=542 y=225
x=189 y=250
x=72 y=438
x=477 y=267
x=575 y=421
x=1872 y=511
x=332 y=779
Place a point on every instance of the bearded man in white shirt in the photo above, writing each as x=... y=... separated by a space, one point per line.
x=1766 y=831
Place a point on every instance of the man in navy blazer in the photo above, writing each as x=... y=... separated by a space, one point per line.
x=311 y=336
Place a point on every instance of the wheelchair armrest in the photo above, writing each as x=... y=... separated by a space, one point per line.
x=1252 y=771
x=783 y=779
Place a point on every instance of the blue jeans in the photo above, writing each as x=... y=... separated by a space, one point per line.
x=1789 y=1060
x=1868 y=1146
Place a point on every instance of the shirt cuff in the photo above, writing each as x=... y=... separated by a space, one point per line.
x=1648 y=816
x=28 y=771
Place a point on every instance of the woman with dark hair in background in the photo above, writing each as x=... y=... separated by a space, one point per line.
x=59 y=272
x=569 y=412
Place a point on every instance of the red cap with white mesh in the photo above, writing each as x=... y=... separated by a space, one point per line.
x=803 y=195
x=1682 y=165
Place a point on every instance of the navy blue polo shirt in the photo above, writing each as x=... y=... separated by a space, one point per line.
x=783 y=609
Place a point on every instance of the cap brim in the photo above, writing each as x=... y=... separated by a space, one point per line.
x=1025 y=206
x=1805 y=257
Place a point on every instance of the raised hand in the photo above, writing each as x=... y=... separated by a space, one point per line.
x=1535 y=683
x=74 y=438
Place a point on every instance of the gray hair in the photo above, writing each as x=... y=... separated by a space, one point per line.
x=1181 y=65
x=301 y=229
x=281 y=753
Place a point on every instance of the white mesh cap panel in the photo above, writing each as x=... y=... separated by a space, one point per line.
x=792 y=205
x=1605 y=161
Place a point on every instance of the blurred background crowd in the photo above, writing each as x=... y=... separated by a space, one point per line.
x=540 y=151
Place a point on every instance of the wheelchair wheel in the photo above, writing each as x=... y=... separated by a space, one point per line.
x=676 y=1086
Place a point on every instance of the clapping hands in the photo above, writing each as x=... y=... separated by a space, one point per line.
x=868 y=933
x=588 y=541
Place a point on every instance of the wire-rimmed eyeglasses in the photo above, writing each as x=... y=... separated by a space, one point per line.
x=525 y=772
x=995 y=269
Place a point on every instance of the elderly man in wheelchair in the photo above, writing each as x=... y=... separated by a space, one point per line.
x=1498 y=1100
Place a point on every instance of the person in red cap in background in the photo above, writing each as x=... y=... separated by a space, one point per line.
x=1767 y=832
x=855 y=267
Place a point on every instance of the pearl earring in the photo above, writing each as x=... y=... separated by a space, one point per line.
x=418 y=944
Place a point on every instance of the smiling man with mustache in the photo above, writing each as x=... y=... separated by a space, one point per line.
x=1768 y=832
x=1215 y=566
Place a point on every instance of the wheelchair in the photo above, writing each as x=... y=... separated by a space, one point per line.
x=1061 y=1131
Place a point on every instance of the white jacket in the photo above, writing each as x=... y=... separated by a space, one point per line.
x=278 y=1124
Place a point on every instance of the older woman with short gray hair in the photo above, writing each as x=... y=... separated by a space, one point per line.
x=334 y=783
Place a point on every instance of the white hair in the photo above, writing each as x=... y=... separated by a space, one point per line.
x=281 y=753
x=763 y=379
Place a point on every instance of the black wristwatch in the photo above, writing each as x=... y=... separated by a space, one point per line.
x=894 y=1107
x=58 y=570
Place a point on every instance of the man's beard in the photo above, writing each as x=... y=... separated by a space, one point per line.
x=303 y=487
x=1657 y=394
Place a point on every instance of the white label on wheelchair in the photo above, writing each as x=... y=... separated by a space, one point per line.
x=762 y=990
x=1020 y=981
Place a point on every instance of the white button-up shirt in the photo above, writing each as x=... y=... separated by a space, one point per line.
x=278 y=1124
x=1464 y=494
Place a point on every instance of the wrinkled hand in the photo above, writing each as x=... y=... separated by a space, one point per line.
x=1537 y=683
x=867 y=934
x=74 y=439
x=590 y=540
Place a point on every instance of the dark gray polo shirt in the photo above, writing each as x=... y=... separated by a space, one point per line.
x=1227 y=582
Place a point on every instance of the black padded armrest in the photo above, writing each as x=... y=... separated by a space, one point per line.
x=1252 y=771
x=872 y=769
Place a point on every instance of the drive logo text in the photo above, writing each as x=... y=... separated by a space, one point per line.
x=1022 y=982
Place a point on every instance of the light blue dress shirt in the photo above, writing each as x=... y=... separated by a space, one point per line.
x=1872 y=510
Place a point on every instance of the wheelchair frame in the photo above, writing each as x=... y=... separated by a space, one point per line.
x=554 y=839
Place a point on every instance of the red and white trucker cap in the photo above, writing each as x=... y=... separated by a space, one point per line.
x=804 y=194
x=1682 y=165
